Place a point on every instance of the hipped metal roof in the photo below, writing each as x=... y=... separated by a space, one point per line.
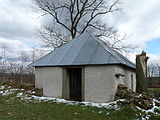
x=83 y=50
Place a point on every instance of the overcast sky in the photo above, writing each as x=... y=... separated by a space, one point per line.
x=140 y=20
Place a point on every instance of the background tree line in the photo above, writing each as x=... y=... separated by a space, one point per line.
x=15 y=68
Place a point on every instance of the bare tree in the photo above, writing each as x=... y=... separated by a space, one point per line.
x=154 y=69
x=4 y=51
x=115 y=41
x=72 y=17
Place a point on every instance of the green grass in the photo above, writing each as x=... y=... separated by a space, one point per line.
x=153 y=90
x=12 y=108
x=15 y=109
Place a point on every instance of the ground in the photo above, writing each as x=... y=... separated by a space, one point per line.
x=23 y=103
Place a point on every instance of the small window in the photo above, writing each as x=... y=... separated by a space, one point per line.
x=132 y=81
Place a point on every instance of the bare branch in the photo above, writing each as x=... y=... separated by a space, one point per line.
x=73 y=17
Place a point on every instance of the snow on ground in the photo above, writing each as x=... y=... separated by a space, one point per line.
x=57 y=100
x=4 y=91
x=29 y=96
x=7 y=90
x=152 y=110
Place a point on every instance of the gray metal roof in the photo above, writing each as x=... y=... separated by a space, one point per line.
x=83 y=50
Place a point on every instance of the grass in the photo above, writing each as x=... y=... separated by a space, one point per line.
x=153 y=90
x=12 y=108
x=15 y=109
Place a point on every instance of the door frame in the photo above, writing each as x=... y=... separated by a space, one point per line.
x=75 y=82
x=66 y=82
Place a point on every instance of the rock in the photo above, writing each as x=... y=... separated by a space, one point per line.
x=121 y=94
x=124 y=93
x=122 y=87
x=145 y=104
x=146 y=96
x=143 y=100
x=130 y=101
x=38 y=92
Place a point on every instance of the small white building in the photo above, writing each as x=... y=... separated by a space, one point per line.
x=84 y=69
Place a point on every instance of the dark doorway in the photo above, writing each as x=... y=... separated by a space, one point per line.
x=75 y=81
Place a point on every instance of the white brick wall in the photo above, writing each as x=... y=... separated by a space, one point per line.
x=99 y=83
x=52 y=80
x=38 y=77
x=126 y=80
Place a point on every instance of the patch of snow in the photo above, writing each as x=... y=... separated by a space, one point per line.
x=42 y=98
x=100 y=112
x=152 y=110
x=76 y=113
x=19 y=94
x=140 y=95
x=57 y=100
x=23 y=95
x=30 y=91
x=2 y=87
x=106 y=105
x=7 y=92
x=14 y=89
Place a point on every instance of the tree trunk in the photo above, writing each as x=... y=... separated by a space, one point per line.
x=141 y=72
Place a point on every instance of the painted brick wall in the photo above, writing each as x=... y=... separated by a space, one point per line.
x=126 y=79
x=38 y=77
x=99 y=83
x=50 y=78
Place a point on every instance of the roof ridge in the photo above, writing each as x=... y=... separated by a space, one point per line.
x=85 y=49
x=120 y=56
x=65 y=51
x=98 y=41
x=124 y=57
x=77 y=54
x=111 y=51
x=93 y=54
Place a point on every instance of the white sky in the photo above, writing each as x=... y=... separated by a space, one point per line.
x=140 y=20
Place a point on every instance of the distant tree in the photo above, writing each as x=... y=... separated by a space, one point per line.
x=154 y=69
x=72 y=17
x=4 y=50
